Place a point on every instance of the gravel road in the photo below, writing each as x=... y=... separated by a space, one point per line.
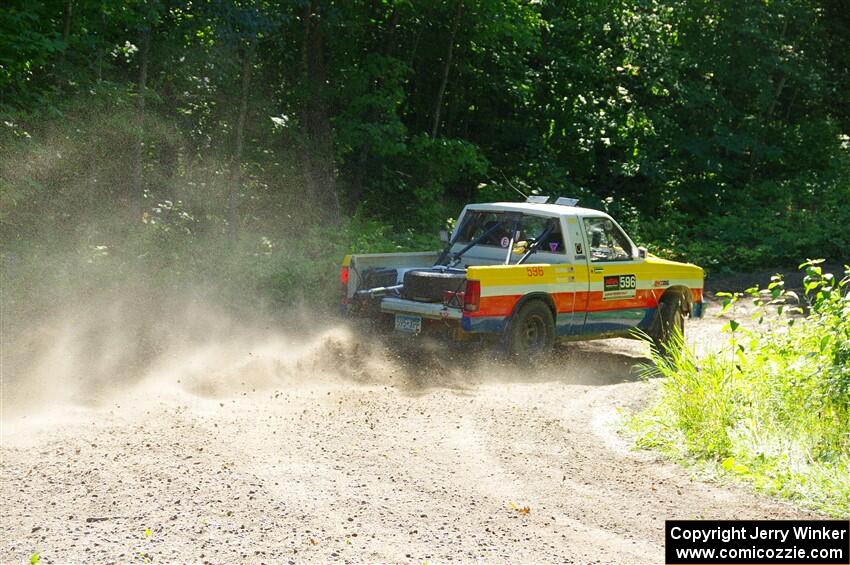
x=330 y=450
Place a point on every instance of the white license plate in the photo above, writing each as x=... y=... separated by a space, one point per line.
x=408 y=324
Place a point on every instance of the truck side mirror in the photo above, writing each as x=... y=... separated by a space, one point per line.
x=641 y=253
x=444 y=236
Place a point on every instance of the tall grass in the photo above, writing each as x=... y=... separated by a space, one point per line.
x=773 y=405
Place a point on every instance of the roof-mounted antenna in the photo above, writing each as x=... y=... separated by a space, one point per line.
x=510 y=184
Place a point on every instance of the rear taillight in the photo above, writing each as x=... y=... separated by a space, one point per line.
x=472 y=296
x=343 y=278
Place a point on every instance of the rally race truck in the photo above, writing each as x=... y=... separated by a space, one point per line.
x=525 y=274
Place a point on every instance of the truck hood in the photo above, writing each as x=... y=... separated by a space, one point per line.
x=676 y=268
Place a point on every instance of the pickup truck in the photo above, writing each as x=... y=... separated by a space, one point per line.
x=527 y=274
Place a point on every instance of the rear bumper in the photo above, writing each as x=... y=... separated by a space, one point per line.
x=430 y=310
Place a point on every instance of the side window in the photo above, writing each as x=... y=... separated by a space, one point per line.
x=607 y=241
x=534 y=226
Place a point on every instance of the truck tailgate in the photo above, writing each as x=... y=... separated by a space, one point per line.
x=359 y=264
x=431 y=310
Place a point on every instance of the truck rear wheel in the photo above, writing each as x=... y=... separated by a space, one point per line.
x=531 y=333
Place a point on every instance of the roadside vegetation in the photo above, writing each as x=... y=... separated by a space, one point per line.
x=772 y=407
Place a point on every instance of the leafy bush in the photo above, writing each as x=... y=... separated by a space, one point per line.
x=773 y=406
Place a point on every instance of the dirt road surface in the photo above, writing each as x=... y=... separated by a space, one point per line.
x=331 y=450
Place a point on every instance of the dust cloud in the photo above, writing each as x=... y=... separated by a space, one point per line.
x=93 y=353
x=141 y=346
x=96 y=305
x=100 y=310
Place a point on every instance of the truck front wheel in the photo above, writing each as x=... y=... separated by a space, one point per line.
x=531 y=332
x=669 y=326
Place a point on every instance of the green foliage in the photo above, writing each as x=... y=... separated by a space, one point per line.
x=372 y=236
x=773 y=406
x=25 y=48
x=64 y=233
x=715 y=133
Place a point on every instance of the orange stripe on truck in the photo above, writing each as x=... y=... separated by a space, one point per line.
x=565 y=302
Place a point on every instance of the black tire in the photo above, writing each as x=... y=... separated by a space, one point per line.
x=669 y=319
x=531 y=333
x=429 y=285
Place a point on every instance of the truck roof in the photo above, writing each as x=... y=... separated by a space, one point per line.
x=541 y=209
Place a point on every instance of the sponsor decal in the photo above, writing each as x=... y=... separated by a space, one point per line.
x=505 y=241
x=661 y=283
x=553 y=246
x=615 y=287
x=579 y=250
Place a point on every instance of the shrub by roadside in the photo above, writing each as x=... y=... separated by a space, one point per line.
x=772 y=407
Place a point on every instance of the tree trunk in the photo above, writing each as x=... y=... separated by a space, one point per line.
x=137 y=188
x=763 y=113
x=360 y=166
x=236 y=165
x=389 y=39
x=453 y=113
x=66 y=30
x=791 y=103
x=317 y=126
x=435 y=128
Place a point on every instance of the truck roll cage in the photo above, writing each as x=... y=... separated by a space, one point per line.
x=449 y=259
x=538 y=241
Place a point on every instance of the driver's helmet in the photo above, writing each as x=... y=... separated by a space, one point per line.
x=596 y=235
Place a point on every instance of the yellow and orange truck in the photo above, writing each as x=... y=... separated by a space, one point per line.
x=527 y=273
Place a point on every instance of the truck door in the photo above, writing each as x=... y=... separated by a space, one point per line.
x=612 y=303
x=557 y=275
x=553 y=250
x=576 y=280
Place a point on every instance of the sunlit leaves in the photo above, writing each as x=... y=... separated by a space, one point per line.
x=771 y=406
